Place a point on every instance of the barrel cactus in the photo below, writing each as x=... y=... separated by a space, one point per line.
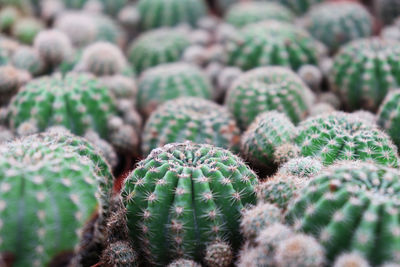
x=342 y=136
x=265 y=89
x=244 y=13
x=389 y=116
x=337 y=23
x=8 y=17
x=58 y=181
x=27 y=58
x=25 y=30
x=364 y=71
x=9 y=83
x=272 y=43
x=387 y=10
x=184 y=196
x=193 y=119
x=162 y=13
x=156 y=47
x=345 y=206
x=299 y=6
x=170 y=81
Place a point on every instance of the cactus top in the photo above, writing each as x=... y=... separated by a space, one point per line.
x=345 y=206
x=272 y=43
x=342 y=136
x=77 y=101
x=185 y=195
x=50 y=185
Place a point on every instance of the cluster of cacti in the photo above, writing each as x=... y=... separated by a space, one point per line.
x=364 y=71
x=244 y=13
x=170 y=81
x=265 y=89
x=184 y=196
x=272 y=43
x=164 y=13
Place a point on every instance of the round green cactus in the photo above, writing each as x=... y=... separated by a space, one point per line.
x=244 y=13
x=107 y=29
x=190 y=119
x=162 y=13
x=111 y=7
x=303 y=167
x=364 y=71
x=170 y=81
x=27 y=58
x=387 y=10
x=156 y=47
x=55 y=182
x=389 y=116
x=342 y=136
x=272 y=43
x=337 y=23
x=267 y=132
x=265 y=89
x=9 y=15
x=345 y=206
x=9 y=83
x=184 y=196
x=299 y=6
x=25 y=30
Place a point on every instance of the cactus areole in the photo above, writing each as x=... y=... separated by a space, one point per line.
x=184 y=196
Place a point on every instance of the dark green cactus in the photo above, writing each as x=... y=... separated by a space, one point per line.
x=389 y=116
x=184 y=196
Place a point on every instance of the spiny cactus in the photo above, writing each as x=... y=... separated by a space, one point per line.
x=351 y=260
x=110 y=7
x=321 y=108
x=342 y=136
x=303 y=167
x=387 y=10
x=119 y=254
x=267 y=132
x=244 y=13
x=184 y=263
x=389 y=116
x=156 y=47
x=122 y=87
x=9 y=83
x=57 y=180
x=364 y=71
x=344 y=206
x=218 y=254
x=312 y=76
x=265 y=89
x=169 y=81
x=27 y=58
x=108 y=30
x=272 y=43
x=103 y=59
x=161 y=13
x=8 y=17
x=25 y=30
x=337 y=23
x=184 y=196
x=299 y=6
x=190 y=119
x=104 y=147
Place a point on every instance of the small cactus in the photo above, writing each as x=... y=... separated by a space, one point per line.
x=122 y=87
x=218 y=254
x=184 y=196
x=9 y=83
x=184 y=263
x=25 y=30
x=265 y=89
x=27 y=58
x=387 y=10
x=107 y=30
x=303 y=167
x=170 y=81
x=190 y=119
x=299 y=6
x=244 y=13
x=119 y=254
x=9 y=15
x=389 y=116
x=312 y=76
x=351 y=260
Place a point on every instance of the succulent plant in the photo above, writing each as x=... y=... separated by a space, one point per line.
x=364 y=71
x=9 y=83
x=122 y=87
x=184 y=263
x=312 y=76
x=108 y=30
x=351 y=259
x=267 y=132
x=111 y=7
x=119 y=254
x=58 y=180
x=338 y=23
x=389 y=116
x=343 y=136
x=299 y=6
x=27 y=58
x=243 y=13
x=26 y=29
x=387 y=10
x=344 y=206
x=184 y=196
x=218 y=254
x=171 y=81
x=156 y=47
x=8 y=17
x=265 y=89
x=161 y=13
x=303 y=167
x=190 y=119
x=272 y=43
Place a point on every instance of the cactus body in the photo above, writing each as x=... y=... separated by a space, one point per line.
x=25 y=30
x=389 y=116
x=184 y=196
x=387 y=10
x=299 y=6
x=272 y=43
x=170 y=81
x=345 y=206
x=156 y=47
x=28 y=59
x=265 y=89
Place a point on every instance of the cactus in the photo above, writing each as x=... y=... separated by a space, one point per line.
x=364 y=71
x=111 y=7
x=25 y=30
x=389 y=116
x=184 y=196
x=342 y=136
x=387 y=10
x=8 y=17
x=27 y=58
x=303 y=167
x=244 y=13
x=312 y=76
x=156 y=47
x=53 y=46
x=299 y=6
x=344 y=206
x=272 y=43
x=104 y=148
x=218 y=254
x=190 y=119
x=170 y=81
x=119 y=254
x=103 y=59
x=184 y=263
x=9 y=83
x=267 y=132
x=338 y=23
x=121 y=87
x=265 y=89
x=351 y=260
x=108 y=30
x=161 y=13
x=57 y=181
x=321 y=108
